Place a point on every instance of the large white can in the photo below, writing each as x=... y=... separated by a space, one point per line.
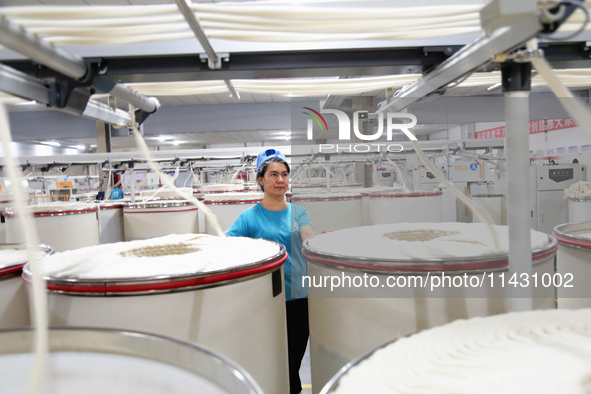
x=492 y=204
x=63 y=226
x=14 y=302
x=111 y=215
x=347 y=322
x=332 y=210
x=579 y=209
x=228 y=206
x=6 y=201
x=573 y=264
x=151 y=219
x=470 y=356
x=98 y=360
x=225 y=293
x=405 y=207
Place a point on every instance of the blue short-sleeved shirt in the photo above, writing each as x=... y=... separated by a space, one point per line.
x=282 y=227
x=116 y=194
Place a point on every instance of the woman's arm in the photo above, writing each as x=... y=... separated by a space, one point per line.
x=307 y=232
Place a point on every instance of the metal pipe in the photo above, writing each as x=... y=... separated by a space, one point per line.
x=328 y=174
x=187 y=11
x=518 y=209
x=471 y=56
x=231 y=88
x=22 y=85
x=20 y=40
x=128 y=95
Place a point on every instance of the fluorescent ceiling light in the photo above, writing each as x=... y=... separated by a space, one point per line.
x=32 y=102
x=81 y=147
x=176 y=142
x=52 y=143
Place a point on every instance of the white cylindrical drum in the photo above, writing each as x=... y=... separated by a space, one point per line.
x=534 y=352
x=332 y=210
x=365 y=200
x=228 y=206
x=63 y=226
x=225 y=293
x=96 y=361
x=348 y=321
x=573 y=260
x=151 y=219
x=111 y=215
x=222 y=188
x=492 y=204
x=6 y=201
x=311 y=188
x=14 y=302
x=412 y=207
x=579 y=209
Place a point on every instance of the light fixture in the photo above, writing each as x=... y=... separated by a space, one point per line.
x=162 y=138
x=32 y=102
x=80 y=147
x=176 y=142
x=52 y=143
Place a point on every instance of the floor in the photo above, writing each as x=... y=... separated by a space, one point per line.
x=305 y=372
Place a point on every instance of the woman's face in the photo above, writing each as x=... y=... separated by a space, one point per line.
x=276 y=179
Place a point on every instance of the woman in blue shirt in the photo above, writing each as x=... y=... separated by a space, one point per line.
x=276 y=220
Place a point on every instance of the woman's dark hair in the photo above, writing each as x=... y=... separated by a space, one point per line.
x=263 y=168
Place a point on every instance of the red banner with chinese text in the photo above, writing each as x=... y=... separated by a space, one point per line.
x=535 y=126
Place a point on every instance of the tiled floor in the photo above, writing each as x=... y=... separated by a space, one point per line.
x=305 y=372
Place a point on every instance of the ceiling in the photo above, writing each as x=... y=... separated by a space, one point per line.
x=192 y=140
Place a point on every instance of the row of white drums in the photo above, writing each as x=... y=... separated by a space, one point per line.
x=240 y=313
x=342 y=210
x=68 y=226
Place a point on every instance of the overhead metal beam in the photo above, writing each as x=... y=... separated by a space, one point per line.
x=412 y=60
x=20 y=40
x=334 y=101
x=99 y=111
x=22 y=85
x=185 y=8
x=469 y=58
x=262 y=65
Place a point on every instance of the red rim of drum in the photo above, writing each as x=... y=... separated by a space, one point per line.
x=375 y=265
x=564 y=234
x=55 y=213
x=18 y=266
x=135 y=286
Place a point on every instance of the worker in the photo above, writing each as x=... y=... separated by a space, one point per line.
x=116 y=194
x=276 y=220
